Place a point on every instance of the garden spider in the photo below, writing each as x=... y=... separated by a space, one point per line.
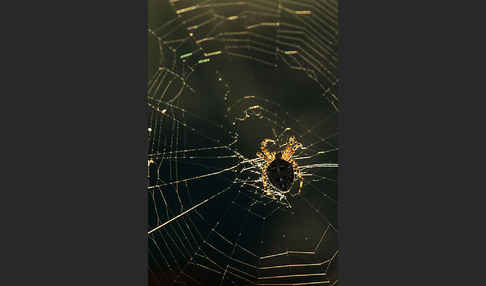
x=279 y=168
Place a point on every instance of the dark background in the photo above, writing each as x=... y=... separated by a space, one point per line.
x=73 y=108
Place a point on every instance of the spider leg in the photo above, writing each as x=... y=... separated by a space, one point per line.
x=299 y=175
x=292 y=146
x=266 y=189
x=269 y=157
x=264 y=157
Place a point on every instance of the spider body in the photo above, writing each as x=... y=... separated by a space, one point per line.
x=280 y=173
x=280 y=169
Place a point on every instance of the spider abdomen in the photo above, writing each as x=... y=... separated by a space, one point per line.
x=281 y=174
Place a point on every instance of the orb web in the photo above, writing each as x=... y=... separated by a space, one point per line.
x=223 y=76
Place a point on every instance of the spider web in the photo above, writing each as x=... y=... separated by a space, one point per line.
x=224 y=75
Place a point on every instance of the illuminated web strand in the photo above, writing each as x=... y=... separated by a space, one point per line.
x=321 y=165
x=291 y=276
x=263 y=110
x=163 y=112
x=200 y=157
x=187 y=211
x=187 y=151
x=321 y=178
x=193 y=178
x=317 y=153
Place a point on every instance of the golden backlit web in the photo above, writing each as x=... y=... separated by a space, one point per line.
x=224 y=75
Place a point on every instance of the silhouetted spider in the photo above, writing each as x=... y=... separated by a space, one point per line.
x=279 y=168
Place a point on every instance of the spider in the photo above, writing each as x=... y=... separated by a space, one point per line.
x=279 y=168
